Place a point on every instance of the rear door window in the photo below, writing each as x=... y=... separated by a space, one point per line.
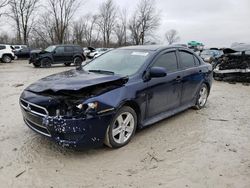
x=197 y=61
x=60 y=50
x=77 y=49
x=68 y=49
x=186 y=60
x=167 y=61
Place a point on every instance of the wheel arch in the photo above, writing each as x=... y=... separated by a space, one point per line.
x=134 y=105
x=47 y=57
x=208 y=86
x=81 y=56
x=8 y=54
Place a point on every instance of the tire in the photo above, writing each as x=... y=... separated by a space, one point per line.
x=202 y=97
x=46 y=62
x=78 y=61
x=6 y=59
x=67 y=64
x=122 y=128
x=37 y=64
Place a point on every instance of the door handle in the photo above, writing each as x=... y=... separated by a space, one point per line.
x=178 y=79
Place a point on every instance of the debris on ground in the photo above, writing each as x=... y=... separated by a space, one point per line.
x=212 y=119
x=233 y=150
x=170 y=150
x=20 y=173
x=18 y=85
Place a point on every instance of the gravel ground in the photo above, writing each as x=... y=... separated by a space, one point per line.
x=206 y=148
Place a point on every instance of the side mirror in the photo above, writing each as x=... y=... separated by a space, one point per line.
x=157 y=72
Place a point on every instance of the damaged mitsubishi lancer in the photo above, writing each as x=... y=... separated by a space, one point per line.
x=106 y=100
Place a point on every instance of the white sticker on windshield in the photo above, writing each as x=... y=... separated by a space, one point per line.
x=140 y=53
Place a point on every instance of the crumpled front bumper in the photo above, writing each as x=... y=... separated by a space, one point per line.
x=73 y=133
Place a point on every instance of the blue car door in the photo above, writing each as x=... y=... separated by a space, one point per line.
x=164 y=93
x=192 y=76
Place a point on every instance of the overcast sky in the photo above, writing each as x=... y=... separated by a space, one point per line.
x=213 y=22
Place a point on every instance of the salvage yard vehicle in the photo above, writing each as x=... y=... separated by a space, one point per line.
x=107 y=99
x=210 y=55
x=234 y=65
x=23 y=53
x=97 y=52
x=6 y=53
x=57 y=54
x=19 y=47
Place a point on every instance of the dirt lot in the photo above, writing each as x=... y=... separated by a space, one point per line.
x=207 y=148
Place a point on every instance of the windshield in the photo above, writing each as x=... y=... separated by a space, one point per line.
x=123 y=62
x=50 y=49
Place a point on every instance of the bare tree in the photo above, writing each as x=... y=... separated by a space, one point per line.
x=106 y=21
x=3 y=3
x=44 y=31
x=22 y=12
x=85 y=30
x=172 y=36
x=121 y=28
x=144 y=21
x=62 y=12
x=91 y=33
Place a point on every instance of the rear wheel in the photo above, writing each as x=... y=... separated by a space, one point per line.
x=78 y=61
x=46 y=62
x=6 y=59
x=122 y=128
x=202 y=97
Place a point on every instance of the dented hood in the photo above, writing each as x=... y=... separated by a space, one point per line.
x=72 y=80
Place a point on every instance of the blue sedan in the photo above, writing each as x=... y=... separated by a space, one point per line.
x=106 y=100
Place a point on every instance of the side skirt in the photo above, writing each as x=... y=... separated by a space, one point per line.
x=165 y=115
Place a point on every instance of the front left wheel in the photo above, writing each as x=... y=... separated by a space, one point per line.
x=122 y=128
x=6 y=59
x=46 y=62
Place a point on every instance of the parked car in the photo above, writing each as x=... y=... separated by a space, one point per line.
x=234 y=65
x=19 y=47
x=6 y=53
x=209 y=55
x=116 y=93
x=23 y=53
x=57 y=54
x=88 y=50
x=97 y=52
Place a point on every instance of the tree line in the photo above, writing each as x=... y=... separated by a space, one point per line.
x=40 y=23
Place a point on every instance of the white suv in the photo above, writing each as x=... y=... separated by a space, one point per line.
x=6 y=53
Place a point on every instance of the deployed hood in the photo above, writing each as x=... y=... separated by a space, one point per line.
x=237 y=48
x=74 y=80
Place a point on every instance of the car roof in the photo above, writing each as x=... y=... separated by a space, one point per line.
x=152 y=47
x=66 y=45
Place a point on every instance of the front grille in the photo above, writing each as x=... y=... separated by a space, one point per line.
x=42 y=130
x=33 y=108
x=33 y=117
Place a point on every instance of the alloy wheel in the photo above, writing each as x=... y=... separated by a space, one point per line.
x=123 y=128
x=203 y=96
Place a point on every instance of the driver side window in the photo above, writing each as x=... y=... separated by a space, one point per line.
x=167 y=61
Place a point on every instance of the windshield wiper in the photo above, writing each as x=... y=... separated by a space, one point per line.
x=102 y=71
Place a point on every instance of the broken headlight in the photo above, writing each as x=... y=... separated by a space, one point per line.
x=88 y=108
